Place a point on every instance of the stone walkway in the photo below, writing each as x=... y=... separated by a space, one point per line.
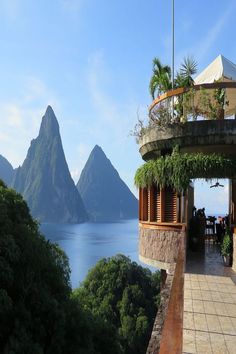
x=209 y=305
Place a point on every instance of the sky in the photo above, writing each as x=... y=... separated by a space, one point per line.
x=91 y=60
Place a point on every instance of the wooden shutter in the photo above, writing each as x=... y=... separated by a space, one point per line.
x=145 y=204
x=158 y=205
x=170 y=205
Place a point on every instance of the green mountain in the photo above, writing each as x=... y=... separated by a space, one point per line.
x=6 y=170
x=105 y=196
x=44 y=178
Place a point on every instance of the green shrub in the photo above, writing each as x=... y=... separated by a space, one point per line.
x=227 y=244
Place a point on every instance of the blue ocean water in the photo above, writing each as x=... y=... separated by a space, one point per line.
x=87 y=243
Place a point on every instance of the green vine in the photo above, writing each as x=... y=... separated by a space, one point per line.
x=177 y=170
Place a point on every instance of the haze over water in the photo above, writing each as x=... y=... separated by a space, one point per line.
x=85 y=244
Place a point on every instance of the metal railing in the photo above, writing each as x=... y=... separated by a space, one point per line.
x=205 y=101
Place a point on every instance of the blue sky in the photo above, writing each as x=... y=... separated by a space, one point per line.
x=92 y=60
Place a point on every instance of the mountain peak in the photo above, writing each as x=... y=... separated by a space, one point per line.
x=97 y=148
x=97 y=151
x=49 y=125
x=44 y=179
x=105 y=195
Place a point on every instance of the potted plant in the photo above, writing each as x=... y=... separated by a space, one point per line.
x=227 y=248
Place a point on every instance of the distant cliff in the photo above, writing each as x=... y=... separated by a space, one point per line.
x=44 y=178
x=6 y=170
x=105 y=196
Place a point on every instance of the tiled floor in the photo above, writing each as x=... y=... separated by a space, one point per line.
x=209 y=305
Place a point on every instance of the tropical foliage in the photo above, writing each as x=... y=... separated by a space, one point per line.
x=124 y=295
x=39 y=315
x=184 y=77
x=188 y=105
x=227 y=244
x=178 y=169
x=161 y=78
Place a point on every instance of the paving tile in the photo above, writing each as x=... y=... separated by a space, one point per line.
x=202 y=278
x=218 y=344
x=188 y=294
x=221 y=309
x=233 y=296
x=198 y=306
x=227 y=298
x=187 y=284
x=230 y=343
x=195 y=285
x=204 y=286
x=203 y=344
x=233 y=320
x=196 y=294
x=188 y=305
x=189 y=344
x=209 y=307
x=216 y=296
x=231 y=289
x=210 y=297
x=213 y=287
x=200 y=321
x=231 y=309
x=227 y=326
x=206 y=295
x=213 y=323
x=188 y=322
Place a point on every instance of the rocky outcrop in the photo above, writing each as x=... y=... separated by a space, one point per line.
x=6 y=171
x=105 y=195
x=44 y=178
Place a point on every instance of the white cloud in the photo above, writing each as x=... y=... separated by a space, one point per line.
x=13 y=114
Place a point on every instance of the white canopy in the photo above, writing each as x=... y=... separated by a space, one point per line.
x=221 y=69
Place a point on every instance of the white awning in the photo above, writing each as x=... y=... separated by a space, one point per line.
x=221 y=69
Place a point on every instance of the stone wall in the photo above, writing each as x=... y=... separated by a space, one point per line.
x=155 y=340
x=159 y=247
x=206 y=136
x=234 y=252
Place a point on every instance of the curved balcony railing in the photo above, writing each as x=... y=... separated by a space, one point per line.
x=205 y=101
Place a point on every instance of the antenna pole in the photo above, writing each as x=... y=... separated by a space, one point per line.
x=173 y=53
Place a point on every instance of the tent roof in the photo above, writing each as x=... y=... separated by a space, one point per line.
x=221 y=69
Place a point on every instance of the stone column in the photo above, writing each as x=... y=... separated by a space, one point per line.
x=234 y=250
x=232 y=200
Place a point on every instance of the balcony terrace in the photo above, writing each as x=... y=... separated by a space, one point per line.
x=191 y=134
x=200 y=121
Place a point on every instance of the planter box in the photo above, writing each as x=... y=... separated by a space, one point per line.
x=227 y=260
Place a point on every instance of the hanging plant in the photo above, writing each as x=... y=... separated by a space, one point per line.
x=177 y=170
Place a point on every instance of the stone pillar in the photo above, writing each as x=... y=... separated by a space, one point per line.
x=232 y=200
x=163 y=277
x=234 y=250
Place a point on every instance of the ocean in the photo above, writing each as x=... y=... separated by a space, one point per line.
x=85 y=244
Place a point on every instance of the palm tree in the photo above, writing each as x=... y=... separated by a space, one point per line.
x=187 y=69
x=184 y=79
x=161 y=78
